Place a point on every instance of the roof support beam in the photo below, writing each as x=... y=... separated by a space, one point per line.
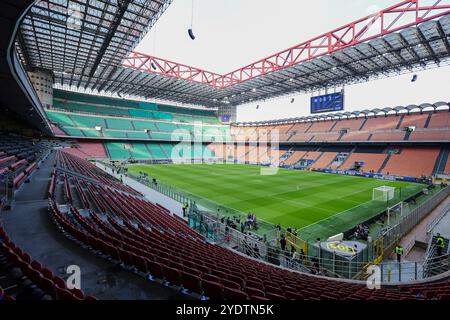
x=121 y=9
x=389 y=20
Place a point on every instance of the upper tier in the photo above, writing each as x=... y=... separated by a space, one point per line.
x=77 y=102
x=80 y=115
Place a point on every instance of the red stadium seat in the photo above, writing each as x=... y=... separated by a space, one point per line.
x=212 y=290
x=234 y=294
x=191 y=282
x=172 y=275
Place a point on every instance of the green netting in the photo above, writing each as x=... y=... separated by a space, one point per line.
x=119 y=124
x=60 y=118
x=117 y=151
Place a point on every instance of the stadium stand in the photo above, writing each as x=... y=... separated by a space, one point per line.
x=350 y=124
x=18 y=156
x=28 y=279
x=356 y=136
x=428 y=126
x=381 y=123
x=371 y=162
x=388 y=136
x=294 y=158
x=78 y=102
x=440 y=119
x=88 y=150
x=416 y=120
x=413 y=162
x=134 y=231
x=324 y=160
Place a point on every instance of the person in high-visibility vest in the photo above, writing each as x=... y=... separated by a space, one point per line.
x=185 y=206
x=399 y=252
x=440 y=244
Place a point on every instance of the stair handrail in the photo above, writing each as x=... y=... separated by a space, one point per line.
x=431 y=225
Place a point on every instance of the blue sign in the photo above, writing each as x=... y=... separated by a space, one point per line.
x=225 y=118
x=328 y=103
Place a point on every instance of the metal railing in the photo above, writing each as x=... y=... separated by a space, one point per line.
x=435 y=221
x=408 y=222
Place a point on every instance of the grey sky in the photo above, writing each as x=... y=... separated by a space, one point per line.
x=233 y=33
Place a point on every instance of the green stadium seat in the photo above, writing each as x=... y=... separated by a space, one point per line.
x=92 y=133
x=143 y=125
x=140 y=113
x=138 y=135
x=117 y=151
x=140 y=151
x=73 y=132
x=87 y=121
x=60 y=118
x=119 y=124
x=156 y=151
x=161 y=136
x=114 y=134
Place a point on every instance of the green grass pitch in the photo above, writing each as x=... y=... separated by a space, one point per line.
x=319 y=204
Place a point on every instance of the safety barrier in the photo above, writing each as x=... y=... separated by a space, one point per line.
x=408 y=222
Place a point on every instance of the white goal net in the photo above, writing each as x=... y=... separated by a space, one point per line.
x=383 y=193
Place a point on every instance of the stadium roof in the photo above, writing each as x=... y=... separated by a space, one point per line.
x=93 y=51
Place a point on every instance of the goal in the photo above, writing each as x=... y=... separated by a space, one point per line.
x=383 y=193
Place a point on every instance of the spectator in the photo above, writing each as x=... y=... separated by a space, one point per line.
x=399 y=252
x=440 y=244
x=256 y=251
x=283 y=242
x=242 y=227
x=301 y=255
x=227 y=234
x=293 y=251
x=185 y=207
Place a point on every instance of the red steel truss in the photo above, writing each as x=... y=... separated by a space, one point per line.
x=393 y=19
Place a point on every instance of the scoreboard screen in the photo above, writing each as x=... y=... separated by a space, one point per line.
x=225 y=118
x=328 y=103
